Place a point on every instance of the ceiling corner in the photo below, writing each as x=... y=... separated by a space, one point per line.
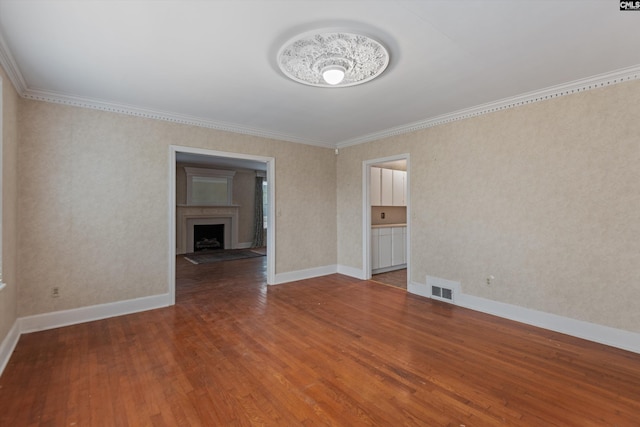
x=9 y=65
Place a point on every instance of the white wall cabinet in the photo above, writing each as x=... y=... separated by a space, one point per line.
x=375 y=186
x=388 y=187
x=388 y=248
x=399 y=193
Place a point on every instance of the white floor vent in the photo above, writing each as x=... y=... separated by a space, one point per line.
x=442 y=289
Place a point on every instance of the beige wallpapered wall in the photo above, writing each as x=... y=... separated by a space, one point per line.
x=8 y=296
x=244 y=191
x=544 y=197
x=94 y=203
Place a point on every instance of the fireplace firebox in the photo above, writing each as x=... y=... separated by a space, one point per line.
x=208 y=237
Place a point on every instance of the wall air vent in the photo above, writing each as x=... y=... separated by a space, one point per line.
x=442 y=289
x=443 y=294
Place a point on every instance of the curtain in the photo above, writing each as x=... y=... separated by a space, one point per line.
x=258 y=217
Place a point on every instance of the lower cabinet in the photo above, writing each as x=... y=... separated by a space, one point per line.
x=388 y=248
x=385 y=248
x=375 y=248
x=398 y=245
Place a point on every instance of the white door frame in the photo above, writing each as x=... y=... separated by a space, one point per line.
x=271 y=223
x=366 y=209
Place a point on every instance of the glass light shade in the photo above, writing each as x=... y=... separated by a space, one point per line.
x=333 y=75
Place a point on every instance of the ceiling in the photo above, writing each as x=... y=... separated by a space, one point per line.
x=194 y=159
x=213 y=63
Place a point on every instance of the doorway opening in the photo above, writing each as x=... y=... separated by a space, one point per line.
x=386 y=224
x=228 y=221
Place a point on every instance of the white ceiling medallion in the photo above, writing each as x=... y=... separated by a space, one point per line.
x=332 y=59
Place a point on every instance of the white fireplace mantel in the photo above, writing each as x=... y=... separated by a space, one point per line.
x=187 y=216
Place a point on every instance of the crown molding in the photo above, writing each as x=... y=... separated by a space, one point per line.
x=582 y=85
x=75 y=101
x=7 y=61
x=9 y=65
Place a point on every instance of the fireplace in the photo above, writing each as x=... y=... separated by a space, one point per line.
x=190 y=216
x=208 y=237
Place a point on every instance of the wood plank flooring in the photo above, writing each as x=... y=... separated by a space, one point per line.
x=397 y=278
x=331 y=351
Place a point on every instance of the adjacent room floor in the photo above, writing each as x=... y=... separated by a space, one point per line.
x=397 y=278
x=327 y=351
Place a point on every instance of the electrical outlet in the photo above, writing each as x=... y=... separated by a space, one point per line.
x=55 y=292
x=382 y=215
x=490 y=280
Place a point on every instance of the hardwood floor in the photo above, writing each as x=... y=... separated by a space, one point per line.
x=397 y=278
x=328 y=351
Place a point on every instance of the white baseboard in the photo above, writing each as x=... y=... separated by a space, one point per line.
x=419 y=289
x=74 y=316
x=9 y=344
x=619 y=338
x=57 y=319
x=292 y=276
x=358 y=273
x=606 y=335
x=244 y=245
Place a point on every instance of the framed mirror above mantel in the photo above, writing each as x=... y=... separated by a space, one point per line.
x=209 y=187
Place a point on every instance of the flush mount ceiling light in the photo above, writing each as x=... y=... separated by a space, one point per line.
x=332 y=59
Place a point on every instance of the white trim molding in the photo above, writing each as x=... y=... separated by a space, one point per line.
x=625 y=340
x=292 y=276
x=130 y=110
x=366 y=211
x=9 y=64
x=2 y=284
x=271 y=223
x=58 y=319
x=9 y=344
x=7 y=61
x=606 y=335
x=356 y=273
x=594 y=82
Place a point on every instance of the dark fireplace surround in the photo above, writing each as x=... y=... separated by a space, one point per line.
x=208 y=237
